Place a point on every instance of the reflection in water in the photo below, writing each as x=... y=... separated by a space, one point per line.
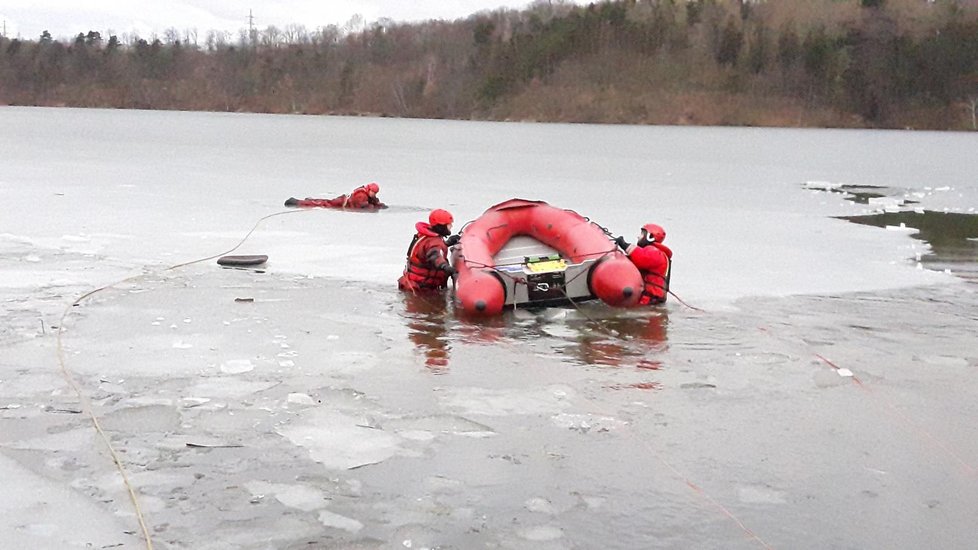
x=487 y=330
x=616 y=341
x=596 y=335
x=427 y=314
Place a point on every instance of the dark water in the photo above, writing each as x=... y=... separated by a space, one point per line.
x=859 y=194
x=953 y=237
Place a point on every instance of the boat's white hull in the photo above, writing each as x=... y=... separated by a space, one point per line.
x=541 y=283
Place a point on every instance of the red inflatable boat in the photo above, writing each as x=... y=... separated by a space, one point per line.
x=528 y=253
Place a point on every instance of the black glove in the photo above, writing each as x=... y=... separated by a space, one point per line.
x=620 y=241
x=449 y=270
x=453 y=240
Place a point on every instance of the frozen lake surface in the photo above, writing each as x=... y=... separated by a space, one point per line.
x=822 y=398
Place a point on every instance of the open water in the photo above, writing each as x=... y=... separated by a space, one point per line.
x=820 y=394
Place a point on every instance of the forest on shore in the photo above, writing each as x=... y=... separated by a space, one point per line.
x=798 y=63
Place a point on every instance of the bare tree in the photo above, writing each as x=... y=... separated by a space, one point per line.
x=356 y=24
x=271 y=37
x=171 y=36
x=328 y=35
x=972 y=104
x=295 y=34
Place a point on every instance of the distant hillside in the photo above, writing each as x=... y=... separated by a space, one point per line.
x=837 y=63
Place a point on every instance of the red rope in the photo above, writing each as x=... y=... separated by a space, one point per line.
x=896 y=413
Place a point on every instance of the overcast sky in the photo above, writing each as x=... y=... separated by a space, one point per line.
x=66 y=18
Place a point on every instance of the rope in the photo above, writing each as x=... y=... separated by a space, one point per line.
x=581 y=311
x=902 y=417
x=513 y=264
x=87 y=407
x=83 y=400
x=235 y=247
x=689 y=483
x=681 y=301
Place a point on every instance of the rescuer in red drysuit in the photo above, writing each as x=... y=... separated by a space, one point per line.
x=653 y=260
x=364 y=197
x=427 y=265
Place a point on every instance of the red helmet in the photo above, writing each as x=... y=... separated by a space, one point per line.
x=654 y=232
x=373 y=188
x=440 y=217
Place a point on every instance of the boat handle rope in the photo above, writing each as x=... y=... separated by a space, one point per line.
x=514 y=264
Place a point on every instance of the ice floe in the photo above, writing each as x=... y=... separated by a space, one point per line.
x=507 y=402
x=340 y=441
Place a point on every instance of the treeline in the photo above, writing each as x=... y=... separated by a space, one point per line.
x=861 y=63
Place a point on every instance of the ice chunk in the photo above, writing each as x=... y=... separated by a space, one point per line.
x=49 y=516
x=541 y=533
x=329 y=519
x=821 y=185
x=587 y=422
x=142 y=419
x=449 y=424
x=885 y=201
x=300 y=497
x=540 y=506
x=507 y=401
x=300 y=399
x=226 y=387
x=339 y=441
x=237 y=366
x=903 y=228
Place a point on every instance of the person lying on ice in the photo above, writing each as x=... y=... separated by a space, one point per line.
x=427 y=266
x=653 y=260
x=364 y=197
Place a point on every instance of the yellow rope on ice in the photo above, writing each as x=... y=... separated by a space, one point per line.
x=86 y=404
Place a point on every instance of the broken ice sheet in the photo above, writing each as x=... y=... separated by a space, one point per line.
x=439 y=423
x=237 y=366
x=300 y=497
x=339 y=441
x=329 y=519
x=507 y=402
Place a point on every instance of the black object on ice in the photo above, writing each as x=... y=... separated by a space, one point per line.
x=291 y=201
x=238 y=261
